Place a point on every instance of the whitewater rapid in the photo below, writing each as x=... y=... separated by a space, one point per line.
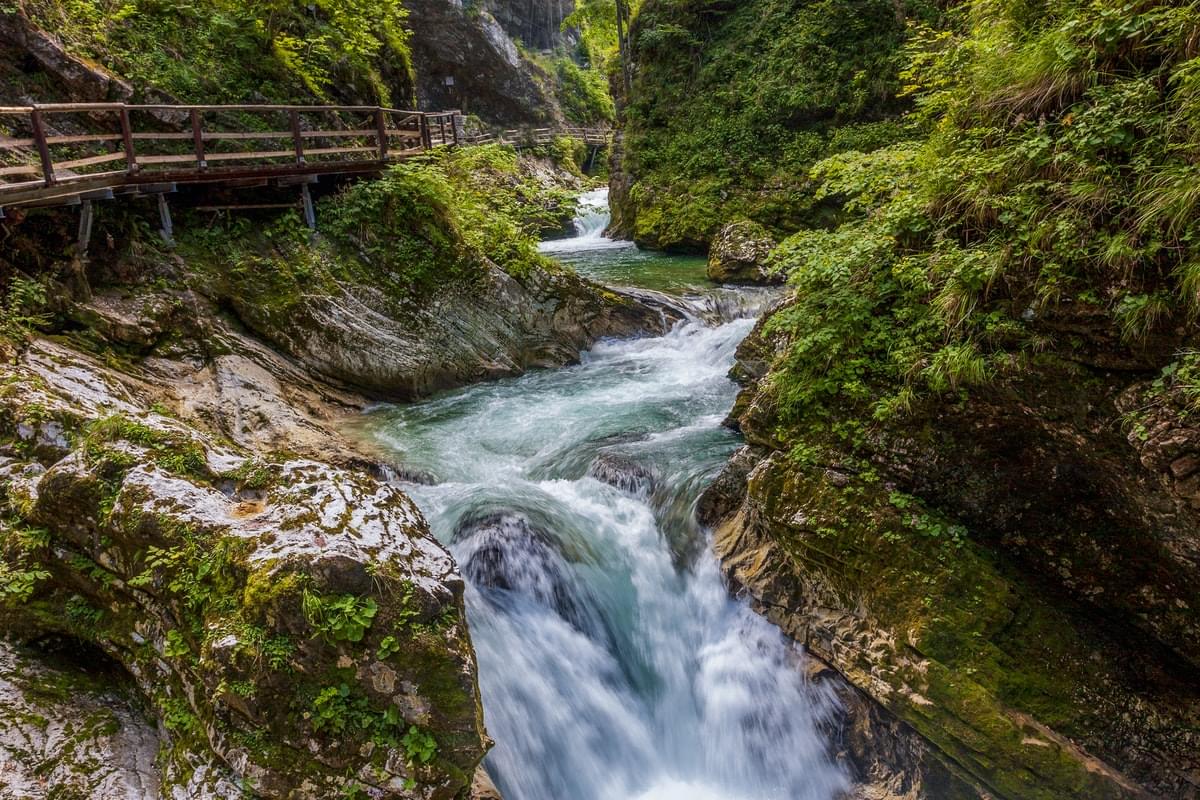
x=613 y=663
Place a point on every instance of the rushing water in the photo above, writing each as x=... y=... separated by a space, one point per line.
x=612 y=662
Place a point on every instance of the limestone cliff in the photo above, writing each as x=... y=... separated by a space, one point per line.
x=1012 y=575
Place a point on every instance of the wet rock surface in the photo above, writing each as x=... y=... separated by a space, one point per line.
x=501 y=328
x=513 y=559
x=290 y=623
x=475 y=48
x=739 y=254
x=625 y=473
x=1006 y=575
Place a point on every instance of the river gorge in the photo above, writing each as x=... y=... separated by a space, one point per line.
x=612 y=661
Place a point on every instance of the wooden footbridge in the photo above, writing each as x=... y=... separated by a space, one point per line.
x=73 y=154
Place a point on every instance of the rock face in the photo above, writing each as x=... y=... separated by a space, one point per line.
x=84 y=81
x=501 y=326
x=80 y=732
x=291 y=622
x=624 y=473
x=468 y=59
x=1007 y=575
x=739 y=254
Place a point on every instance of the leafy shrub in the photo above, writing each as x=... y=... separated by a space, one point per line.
x=1058 y=169
x=344 y=618
x=223 y=51
x=734 y=102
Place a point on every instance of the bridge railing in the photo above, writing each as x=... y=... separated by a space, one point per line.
x=45 y=148
x=530 y=137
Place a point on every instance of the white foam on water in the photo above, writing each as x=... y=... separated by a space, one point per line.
x=612 y=661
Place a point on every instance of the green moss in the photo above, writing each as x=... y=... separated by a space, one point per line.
x=428 y=227
x=177 y=453
x=267 y=587
x=988 y=643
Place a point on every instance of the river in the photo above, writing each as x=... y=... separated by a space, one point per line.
x=612 y=662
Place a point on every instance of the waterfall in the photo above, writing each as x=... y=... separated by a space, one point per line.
x=591 y=218
x=612 y=661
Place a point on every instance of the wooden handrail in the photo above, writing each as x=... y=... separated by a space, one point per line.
x=373 y=136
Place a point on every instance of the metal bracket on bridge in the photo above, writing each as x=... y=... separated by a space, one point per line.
x=167 y=231
x=84 y=237
x=310 y=214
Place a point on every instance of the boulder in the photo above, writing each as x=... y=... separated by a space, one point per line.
x=739 y=254
x=505 y=554
x=290 y=622
x=624 y=473
x=499 y=327
x=988 y=671
x=73 y=722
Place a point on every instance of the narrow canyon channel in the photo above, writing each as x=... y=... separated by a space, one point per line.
x=613 y=663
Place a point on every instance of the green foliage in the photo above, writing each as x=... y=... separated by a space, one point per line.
x=583 y=93
x=1057 y=170
x=173 y=451
x=22 y=305
x=176 y=646
x=341 y=709
x=419 y=745
x=222 y=51
x=429 y=226
x=388 y=646
x=200 y=574
x=429 y=223
x=179 y=718
x=732 y=104
x=18 y=582
x=343 y=618
x=21 y=545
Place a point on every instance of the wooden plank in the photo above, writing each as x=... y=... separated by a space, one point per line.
x=87 y=107
x=23 y=169
x=198 y=139
x=252 y=156
x=297 y=136
x=166 y=136
x=81 y=139
x=260 y=154
x=9 y=143
x=335 y=134
x=328 y=151
x=426 y=141
x=90 y=161
x=248 y=207
x=259 y=108
x=62 y=108
x=212 y=136
x=381 y=137
x=167 y=159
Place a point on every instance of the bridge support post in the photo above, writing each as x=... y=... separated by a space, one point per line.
x=84 y=236
x=310 y=214
x=426 y=136
x=167 y=229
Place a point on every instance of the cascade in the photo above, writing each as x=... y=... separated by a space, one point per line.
x=612 y=662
